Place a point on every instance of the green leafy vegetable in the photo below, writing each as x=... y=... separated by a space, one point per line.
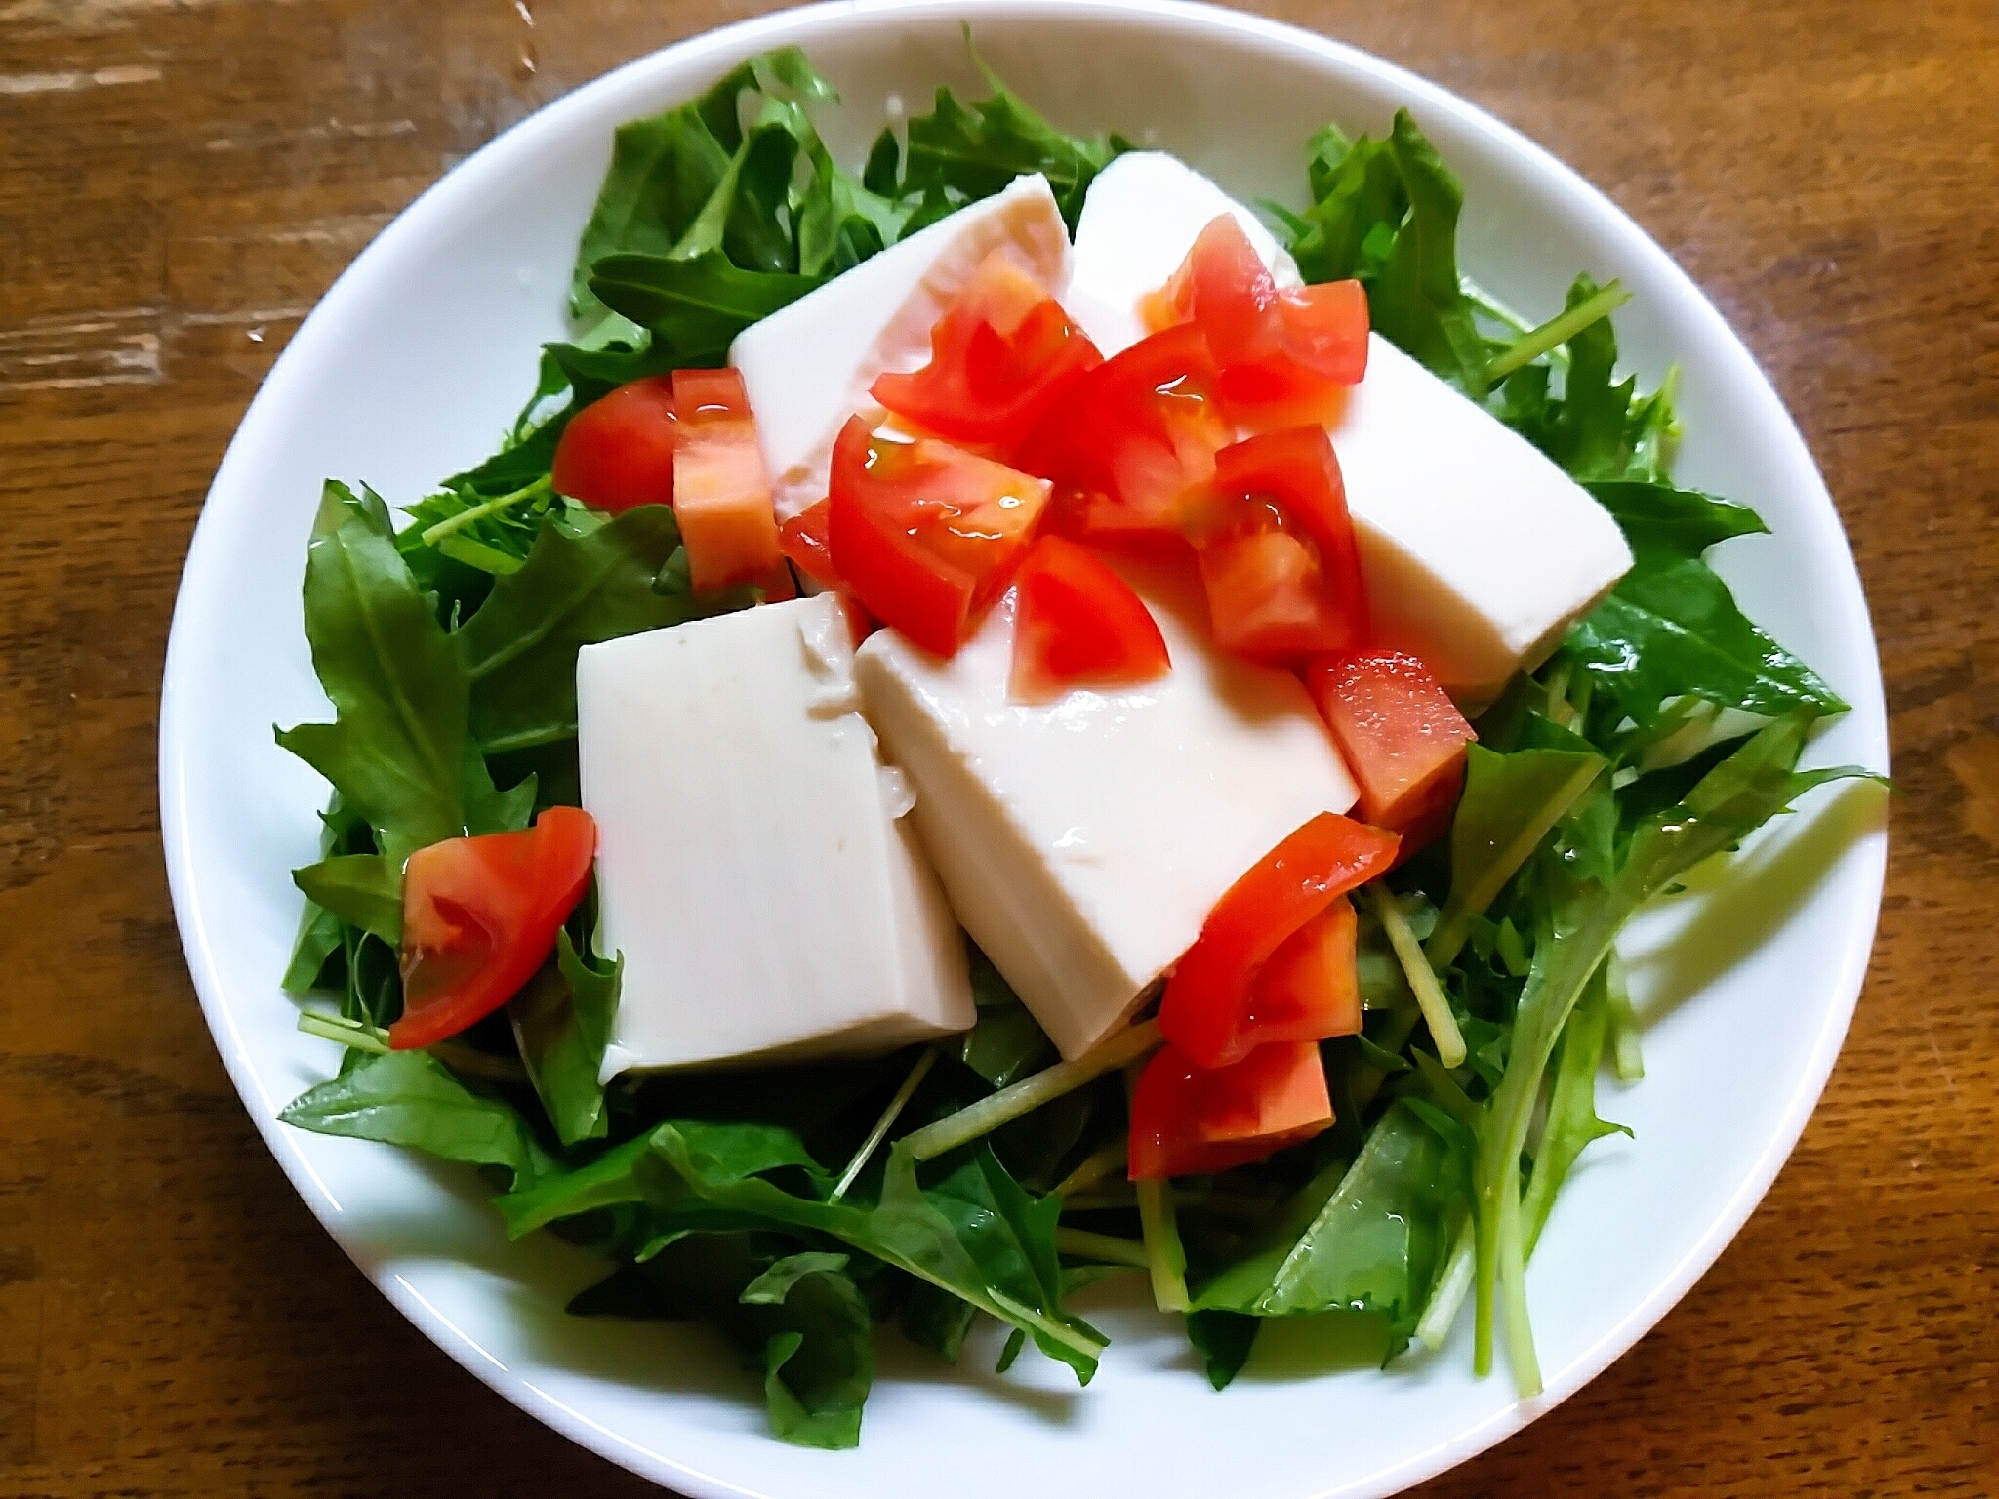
x=410 y=1098
x=365 y=890
x=561 y=1023
x=819 y=1363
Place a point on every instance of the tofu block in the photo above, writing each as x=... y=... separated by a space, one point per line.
x=1140 y=218
x=755 y=864
x=808 y=366
x=1478 y=551
x=1083 y=842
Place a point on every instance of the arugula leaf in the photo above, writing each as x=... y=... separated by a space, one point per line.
x=320 y=936
x=1739 y=795
x=961 y=152
x=561 y=1022
x=819 y=1359
x=1572 y=1121
x=364 y=889
x=573 y=590
x=1224 y=1341
x=396 y=751
x=1665 y=524
x=695 y=307
x=1006 y=1043
x=410 y=1098
x=1358 y=205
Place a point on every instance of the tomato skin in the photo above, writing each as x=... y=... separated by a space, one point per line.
x=1400 y=734
x=1078 y=624
x=807 y=539
x=721 y=491
x=1190 y=1120
x=1139 y=433
x=480 y=915
x=1278 y=553
x=927 y=536
x=617 y=452
x=1208 y=993
x=1310 y=988
x=1001 y=357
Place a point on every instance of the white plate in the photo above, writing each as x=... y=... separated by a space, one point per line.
x=409 y=370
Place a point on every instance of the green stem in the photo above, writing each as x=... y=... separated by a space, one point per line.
x=1165 y=1255
x=464 y=518
x=1627 y=1057
x=1557 y=331
x=1030 y=1093
x=884 y=1124
x=1094 y=1167
x=1104 y=1248
x=1452 y=1288
x=1422 y=977
x=352 y=1033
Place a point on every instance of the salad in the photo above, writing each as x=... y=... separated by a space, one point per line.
x=1010 y=720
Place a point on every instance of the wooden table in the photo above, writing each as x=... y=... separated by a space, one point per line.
x=181 y=179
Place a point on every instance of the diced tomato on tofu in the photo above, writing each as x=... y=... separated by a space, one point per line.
x=807 y=539
x=1401 y=736
x=1188 y=1120
x=1206 y=1007
x=1078 y=624
x=480 y=915
x=721 y=493
x=1000 y=359
x=1309 y=990
x=618 y=452
x=926 y=535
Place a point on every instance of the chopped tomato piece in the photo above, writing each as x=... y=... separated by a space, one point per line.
x=1277 y=550
x=778 y=585
x=1139 y=433
x=480 y=916
x=1310 y=988
x=1207 y=997
x=721 y=493
x=617 y=452
x=1400 y=734
x=1282 y=355
x=807 y=539
x=1188 y=1120
x=1000 y=359
x=1078 y=624
x=925 y=535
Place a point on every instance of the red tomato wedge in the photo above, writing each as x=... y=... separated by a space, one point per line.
x=1310 y=988
x=1138 y=434
x=1400 y=734
x=721 y=493
x=1282 y=355
x=1000 y=359
x=925 y=535
x=1188 y=1120
x=617 y=452
x=1078 y=624
x=807 y=539
x=1207 y=997
x=1277 y=550
x=480 y=916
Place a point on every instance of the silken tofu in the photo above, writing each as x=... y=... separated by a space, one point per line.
x=808 y=366
x=755 y=864
x=1083 y=842
x=1478 y=551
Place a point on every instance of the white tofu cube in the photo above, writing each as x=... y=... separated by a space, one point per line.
x=755 y=865
x=1478 y=551
x=808 y=366
x=1083 y=842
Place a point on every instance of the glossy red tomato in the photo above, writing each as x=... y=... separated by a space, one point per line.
x=617 y=452
x=1000 y=359
x=1207 y=997
x=925 y=535
x=1282 y=355
x=721 y=492
x=1309 y=990
x=1277 y=551
x=1138 y=434
x=1078 y=624
x=807 y=539
x=1401 y=736
x=1189 y=1120
x=480 y=916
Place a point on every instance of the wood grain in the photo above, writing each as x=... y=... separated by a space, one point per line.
x=180 y=179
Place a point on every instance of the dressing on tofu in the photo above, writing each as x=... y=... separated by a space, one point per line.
x=757 y=868
x=755 y=865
